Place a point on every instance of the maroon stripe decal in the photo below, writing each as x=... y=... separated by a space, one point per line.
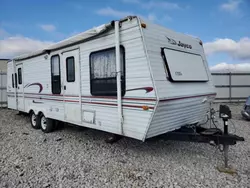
x=195 y=96
x=35 y=84
x=147 y=89
x=124 y=98
x=40 y=98
x=125 y=105
x=108 y=104
x=95 y=97
x=71 y=101
x=45 y=94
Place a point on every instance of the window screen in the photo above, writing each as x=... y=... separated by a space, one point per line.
x=19 y=71
x=184 y=66
x=103 y=72
x=55 y=75
x=70 y=69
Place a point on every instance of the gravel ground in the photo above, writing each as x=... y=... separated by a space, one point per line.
x=74 y=157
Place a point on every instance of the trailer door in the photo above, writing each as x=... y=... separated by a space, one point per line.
x=71 y=87
x=19 y=87
x=11 y=86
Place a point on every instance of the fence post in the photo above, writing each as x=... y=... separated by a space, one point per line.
x=230 y=87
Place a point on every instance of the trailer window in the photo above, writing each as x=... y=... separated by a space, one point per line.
x=70 y=69
x=184 y=66
x=19 y=71
x=103 y=72
x=15 y=80
x=55 y=75
x=12 y=80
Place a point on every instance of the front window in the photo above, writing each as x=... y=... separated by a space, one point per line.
x=103 y=72
x=184 y=66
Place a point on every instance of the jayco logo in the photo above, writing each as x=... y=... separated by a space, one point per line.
x=172 y=41
x=181 y=44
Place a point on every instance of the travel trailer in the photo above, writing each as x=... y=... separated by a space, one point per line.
x=129 y=77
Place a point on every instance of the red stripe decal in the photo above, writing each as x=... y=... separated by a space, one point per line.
x=131 y=106
x=40 y=98
x=96 y=97
x=124 y=98
x=125 y=105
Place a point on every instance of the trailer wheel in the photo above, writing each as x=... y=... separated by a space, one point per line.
x=33 y=120
x=47 y=124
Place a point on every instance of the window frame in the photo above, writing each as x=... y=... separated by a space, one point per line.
x=169 y=74
x=123 y=77
x=73 y=69
x=53 y=90
x=19 y=74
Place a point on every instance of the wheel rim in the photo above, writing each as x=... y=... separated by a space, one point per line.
x=33 y=120
x=43 y=123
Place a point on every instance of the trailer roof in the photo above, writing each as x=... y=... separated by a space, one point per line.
x=79 y=37
x=72 y=40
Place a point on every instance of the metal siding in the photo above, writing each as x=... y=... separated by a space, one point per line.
x=37 y=70
x=137 y=76
x=221 y=79
x=222 y=92
x=240 y=85
x=172 y=115
x=3 y=65
x=3 y=88
x=136 y=120
x=106 y=120
x=155 y=39
x=241 y=80
x=243 y=92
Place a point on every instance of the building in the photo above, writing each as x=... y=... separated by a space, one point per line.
x=3 y=82
x=3 y=65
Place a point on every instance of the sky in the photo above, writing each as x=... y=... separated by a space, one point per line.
x=222 y=25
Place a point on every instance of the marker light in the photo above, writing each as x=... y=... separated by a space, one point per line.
x=143 y=25
x=145 y=107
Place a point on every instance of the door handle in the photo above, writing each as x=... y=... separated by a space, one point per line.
x=64 y=87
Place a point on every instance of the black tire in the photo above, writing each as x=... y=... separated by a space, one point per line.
x=47 y=124
x=57 y=124
x=33 y=120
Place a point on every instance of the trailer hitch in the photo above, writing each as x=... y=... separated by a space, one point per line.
x=212 y=136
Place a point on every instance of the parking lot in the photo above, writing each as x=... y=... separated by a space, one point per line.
x=78 y=157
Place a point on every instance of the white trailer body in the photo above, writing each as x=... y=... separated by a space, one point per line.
x=165 y=80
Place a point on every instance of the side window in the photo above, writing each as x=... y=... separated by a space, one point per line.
x=55 y=75
x=70 y=69
x=103 y=72
x=13 y=81
x=19 y=71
